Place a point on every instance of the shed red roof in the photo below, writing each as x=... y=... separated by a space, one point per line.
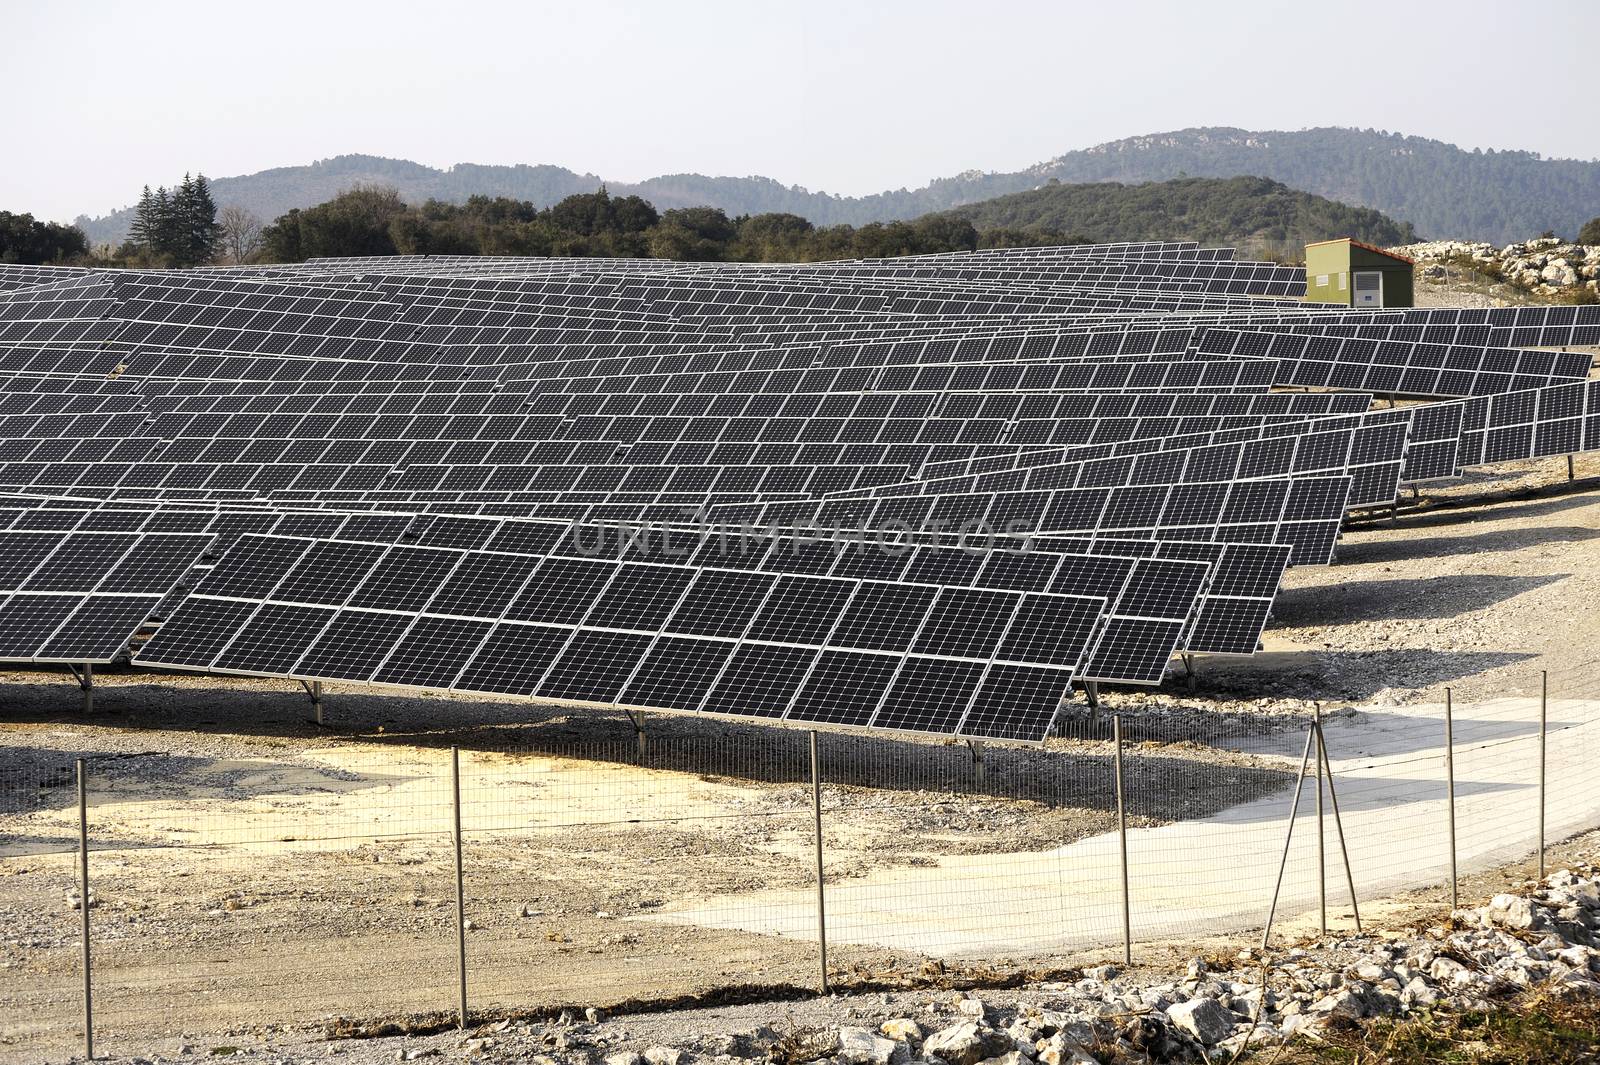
x=1365 y=247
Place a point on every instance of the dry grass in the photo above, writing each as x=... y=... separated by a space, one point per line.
x=1535 y=1030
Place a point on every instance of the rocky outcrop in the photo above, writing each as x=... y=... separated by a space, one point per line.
x=1546 y=266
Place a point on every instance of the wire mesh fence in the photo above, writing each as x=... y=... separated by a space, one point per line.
x=320 y=888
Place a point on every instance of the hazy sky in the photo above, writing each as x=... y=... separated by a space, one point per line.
x=848 y=97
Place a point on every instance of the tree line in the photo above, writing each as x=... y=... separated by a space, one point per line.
x=25 y=239
x=374 y=220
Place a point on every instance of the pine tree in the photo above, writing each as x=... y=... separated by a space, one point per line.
x=202 y=231
x=162 y=231
x=143 y=231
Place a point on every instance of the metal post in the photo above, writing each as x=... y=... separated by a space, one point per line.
x=1450 y=793
x=1322 y=841
x=979 y=770
x=83 y=906
x=87 y=683
x=1122 y=836
x=1294 y=811
x=816 y=817
x=316 y=701
x=1338 y=824
x=636 y=718
x=461 y=905
x=1544 y=722
x=1569 y=467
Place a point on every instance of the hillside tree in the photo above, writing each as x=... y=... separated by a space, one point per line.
x=241 y=233
x=26 y=240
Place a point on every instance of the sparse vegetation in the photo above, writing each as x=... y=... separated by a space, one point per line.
x=1539 y=1031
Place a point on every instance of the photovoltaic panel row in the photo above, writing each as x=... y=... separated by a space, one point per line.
x=1388 y=367
x=805 y=649
x=81 y=597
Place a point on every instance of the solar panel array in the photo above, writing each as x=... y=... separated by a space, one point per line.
x=937 y=493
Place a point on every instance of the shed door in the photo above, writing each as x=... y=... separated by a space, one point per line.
x=1368 y=288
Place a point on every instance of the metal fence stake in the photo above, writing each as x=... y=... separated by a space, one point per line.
x=1122 y=836
x=461 y=904
x=816 y=818
x=1294 y=811
x=1544 y=724
x=1322 y=841
x=1338 y=825
x=1450 y=794
x=83 y=906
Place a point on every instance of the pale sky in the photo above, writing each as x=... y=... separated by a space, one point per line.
x=847 y=97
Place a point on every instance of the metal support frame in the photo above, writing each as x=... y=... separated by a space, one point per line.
x=1190 y=677
x=1450 y=795
x=461 y=903
x=1122 y=838
x=1570 y=474
x=822 y=903
x=85 y=677
x=83 y=906
x=636 y=719
x=979 y=770
x=314 y=691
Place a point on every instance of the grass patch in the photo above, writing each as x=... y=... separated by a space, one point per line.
x=1538 y=1031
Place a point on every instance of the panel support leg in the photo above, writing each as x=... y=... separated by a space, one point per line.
x=85 y=676
x=636 y=719
x=1190 y=678
x=1569 y=468
x=314 y=691
x=978 y=770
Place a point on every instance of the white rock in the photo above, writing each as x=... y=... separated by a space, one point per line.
x=1343 y=1003
x=1202 y=1017
x=1512 y=911
x=904 y=1029
x=623 y=1057
x=862 y=1046
x=663 y=1055
x=1060 y=1049
x=966 y=1043
x=1418 y=993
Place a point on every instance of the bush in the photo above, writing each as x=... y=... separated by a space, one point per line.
x=1590 y=233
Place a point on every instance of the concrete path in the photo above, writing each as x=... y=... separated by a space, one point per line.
x=1216 y=875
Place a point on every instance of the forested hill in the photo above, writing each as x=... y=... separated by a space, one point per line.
x=1441 y=189
x=1241 y=210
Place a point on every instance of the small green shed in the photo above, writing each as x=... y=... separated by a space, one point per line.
x=1357 y=275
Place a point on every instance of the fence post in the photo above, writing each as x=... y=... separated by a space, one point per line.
x=1450 y=794
x=83 y=906
x=1322 y=841
x=1122 y=836
x=1294 y=812
x=1338 y=824
x=816 y=818
x=1544 y=723
x=461 y=904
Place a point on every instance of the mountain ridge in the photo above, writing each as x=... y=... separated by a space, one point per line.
x=1438 y=187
